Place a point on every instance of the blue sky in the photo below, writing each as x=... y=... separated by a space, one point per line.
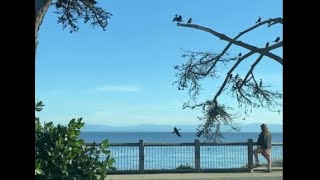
x=124 y=75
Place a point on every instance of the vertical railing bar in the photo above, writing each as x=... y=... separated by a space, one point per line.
x=141 y=155
x=250 y=155
x=197 y=155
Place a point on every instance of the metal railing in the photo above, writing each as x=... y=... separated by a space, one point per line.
x=188 y=157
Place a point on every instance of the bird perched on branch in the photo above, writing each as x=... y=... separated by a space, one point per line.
x=267 y=45
x=175 y=18
x=175 y=130
x=230 y=77
x=277 y=40
x=260 y=84
x=259 y=20
x=179 y=19
x=236 y=77
x=189 y=21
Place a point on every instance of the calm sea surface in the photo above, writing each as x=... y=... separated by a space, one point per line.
x=167 y=137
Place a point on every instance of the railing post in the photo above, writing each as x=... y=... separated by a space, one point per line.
x=250 y=155
x=197 y=155
x=141 y=156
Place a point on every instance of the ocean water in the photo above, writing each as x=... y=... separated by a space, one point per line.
x=171 y=157
x=168 y=137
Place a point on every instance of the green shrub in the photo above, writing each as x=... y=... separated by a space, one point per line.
x=60 y=154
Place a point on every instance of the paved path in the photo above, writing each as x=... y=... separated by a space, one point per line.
x=258 y=175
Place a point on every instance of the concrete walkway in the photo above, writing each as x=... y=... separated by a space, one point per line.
x=257 y=175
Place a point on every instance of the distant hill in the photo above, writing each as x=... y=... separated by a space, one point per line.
x=138 y=128
x=253 y=127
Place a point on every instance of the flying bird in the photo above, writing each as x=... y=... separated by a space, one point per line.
x=175 y=18
x=175 y=130
x=189 y=21
x=277 y=39
x=259 y=20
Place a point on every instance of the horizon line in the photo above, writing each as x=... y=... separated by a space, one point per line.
x=175 y=124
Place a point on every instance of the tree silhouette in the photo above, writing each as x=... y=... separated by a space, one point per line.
x=69 y=12
x=248 y=92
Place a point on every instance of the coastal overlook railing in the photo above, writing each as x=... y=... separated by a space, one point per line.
x=187 y=157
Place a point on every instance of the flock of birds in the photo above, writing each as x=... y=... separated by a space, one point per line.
x=267 y=44
x=269 y=24
x=238 y=79
x=178 y=18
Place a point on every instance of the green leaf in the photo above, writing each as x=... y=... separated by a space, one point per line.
x=105 y=144
x=105 y=151
x=39 y=106
x=39 y=172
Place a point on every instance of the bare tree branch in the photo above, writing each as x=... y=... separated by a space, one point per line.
x=250 y=71
x=274 y=21
x=239 y=43
x=248 y=92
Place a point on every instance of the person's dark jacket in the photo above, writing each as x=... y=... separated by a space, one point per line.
x=264 y=140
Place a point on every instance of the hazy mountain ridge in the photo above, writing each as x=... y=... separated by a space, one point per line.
x=253 y=127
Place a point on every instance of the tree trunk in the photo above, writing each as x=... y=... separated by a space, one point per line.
x=41 y=7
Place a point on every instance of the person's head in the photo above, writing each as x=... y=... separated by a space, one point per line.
x=264 y=128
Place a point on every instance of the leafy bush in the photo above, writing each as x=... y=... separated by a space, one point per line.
x=60 y=154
